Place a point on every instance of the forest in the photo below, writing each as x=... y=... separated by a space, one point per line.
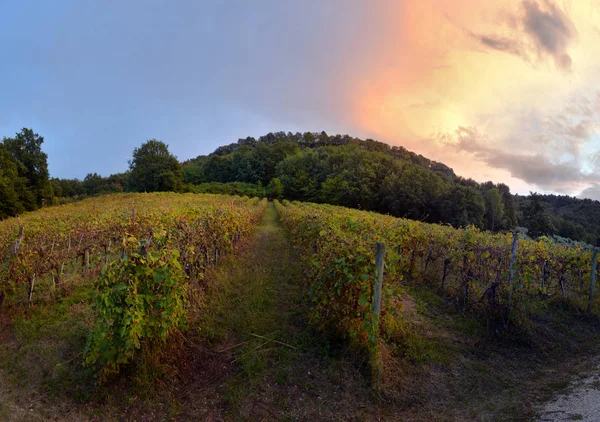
x=311 y=166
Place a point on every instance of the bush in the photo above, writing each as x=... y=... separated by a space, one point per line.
x=139 y=302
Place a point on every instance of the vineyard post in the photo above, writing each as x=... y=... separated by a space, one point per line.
x=376 y=363
x=32 y=282
x=19 y=239
x=513 y=258
x=592 y=280
x=429 y=251
x=544 y=274
x=446 y=263
x=143 y=248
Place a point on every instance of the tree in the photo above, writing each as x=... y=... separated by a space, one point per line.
x=25 y=150
x=334 y=190
x=536 y=218
x=94 y=184
x=9 y=199
x=462 y=206
x=510 y=219
x=194 y=174
x=413 y=193
x=154 y=168
x=494 y=208
x=299 y=176
x=275 y=189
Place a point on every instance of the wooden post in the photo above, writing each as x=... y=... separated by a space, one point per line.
x=592 y=280
x=446 y=263
x=376 y=363
x=427 y=259
x=62 y=267
x=544 y=274
x=379 y=262
x=19 y=240
x=31 y=283
x=513 y=258
x=87 y=259
x=465 y=281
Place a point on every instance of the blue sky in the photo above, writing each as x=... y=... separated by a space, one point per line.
x=504 y=91
x=97 y=79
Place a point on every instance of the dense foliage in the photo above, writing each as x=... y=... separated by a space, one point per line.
x=354 y=173
x=139 y=300
x=565 y=216
x=24 y=184
x=154 y=169
x=338 y=169
x=338 y=244
x=48 y=245
x=148 y=246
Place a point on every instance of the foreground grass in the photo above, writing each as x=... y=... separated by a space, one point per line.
x=252 y=325
x=250 y=355
x=41 y=372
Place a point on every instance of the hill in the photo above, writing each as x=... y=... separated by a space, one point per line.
x=351 y=172
x=312 y=166
x=372 y=175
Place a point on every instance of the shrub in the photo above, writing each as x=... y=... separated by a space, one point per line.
x=139 y=302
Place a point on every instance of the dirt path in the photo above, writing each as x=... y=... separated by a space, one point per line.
x=580 y=401
x=259 y=359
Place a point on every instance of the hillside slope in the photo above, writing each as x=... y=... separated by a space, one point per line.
x=363 y=174
x=372 y=175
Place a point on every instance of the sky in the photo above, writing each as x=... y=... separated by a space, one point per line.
x=499 y=90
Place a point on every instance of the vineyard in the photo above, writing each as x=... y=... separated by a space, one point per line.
x=47 y=247
x=478 y=269
x=137 y=251
x=129 y=283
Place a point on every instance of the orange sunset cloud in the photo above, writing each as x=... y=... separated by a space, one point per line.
x=505 y=91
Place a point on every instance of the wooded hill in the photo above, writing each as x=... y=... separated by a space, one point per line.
x=310 y=166
x=372 y=175
x=355 y=173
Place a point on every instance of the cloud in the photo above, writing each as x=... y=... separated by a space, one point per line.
x=592 y=192
x=534 y=168
x=541 y=31
x=506 y=45
x=582 y=131
x=551 y=30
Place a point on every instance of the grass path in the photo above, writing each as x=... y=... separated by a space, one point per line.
x=256 y=292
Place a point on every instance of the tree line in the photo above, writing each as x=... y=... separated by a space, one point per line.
x=25 y=183
x=311 y=166
x=346 y=171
